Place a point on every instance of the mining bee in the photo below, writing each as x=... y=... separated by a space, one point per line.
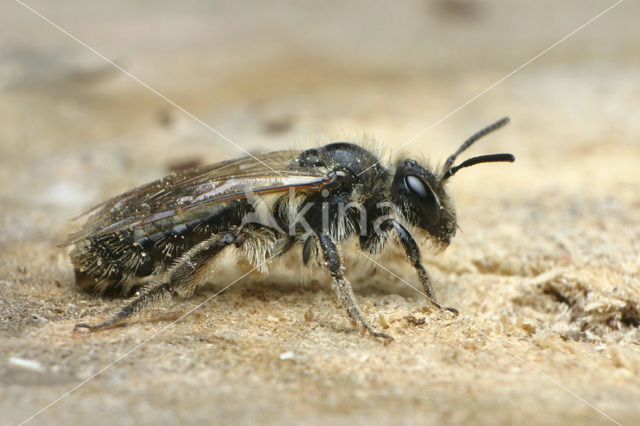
x=164 y=233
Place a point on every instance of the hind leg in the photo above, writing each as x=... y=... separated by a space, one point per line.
x=182 y=279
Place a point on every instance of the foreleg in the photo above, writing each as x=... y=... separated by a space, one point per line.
x=413 y=253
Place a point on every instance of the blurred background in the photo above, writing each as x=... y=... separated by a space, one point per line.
x=74 y=130
x=270 y=76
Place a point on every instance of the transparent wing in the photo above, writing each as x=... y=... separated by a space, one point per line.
x=183 y=194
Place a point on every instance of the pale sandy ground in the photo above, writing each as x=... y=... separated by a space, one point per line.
x=544 y=273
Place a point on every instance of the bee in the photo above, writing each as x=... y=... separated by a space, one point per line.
x=156 y=240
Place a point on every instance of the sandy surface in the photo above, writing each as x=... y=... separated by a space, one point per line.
x=545 y=271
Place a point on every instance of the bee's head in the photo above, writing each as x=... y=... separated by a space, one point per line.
x=420 y=193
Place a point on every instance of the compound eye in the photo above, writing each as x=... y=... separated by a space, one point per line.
x=425 y=198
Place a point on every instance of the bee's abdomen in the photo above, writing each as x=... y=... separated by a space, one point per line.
x=111 y=263
x=105 y=263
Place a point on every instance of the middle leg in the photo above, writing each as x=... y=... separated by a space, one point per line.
x=342 y=286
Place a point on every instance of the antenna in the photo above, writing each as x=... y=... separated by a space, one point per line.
x=491 y=158
x=478 y=135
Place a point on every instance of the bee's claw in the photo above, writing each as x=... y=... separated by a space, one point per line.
x=384 y=336
x=82 y=325
x=439 y=307
x=454 y=311
x=102 y=326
